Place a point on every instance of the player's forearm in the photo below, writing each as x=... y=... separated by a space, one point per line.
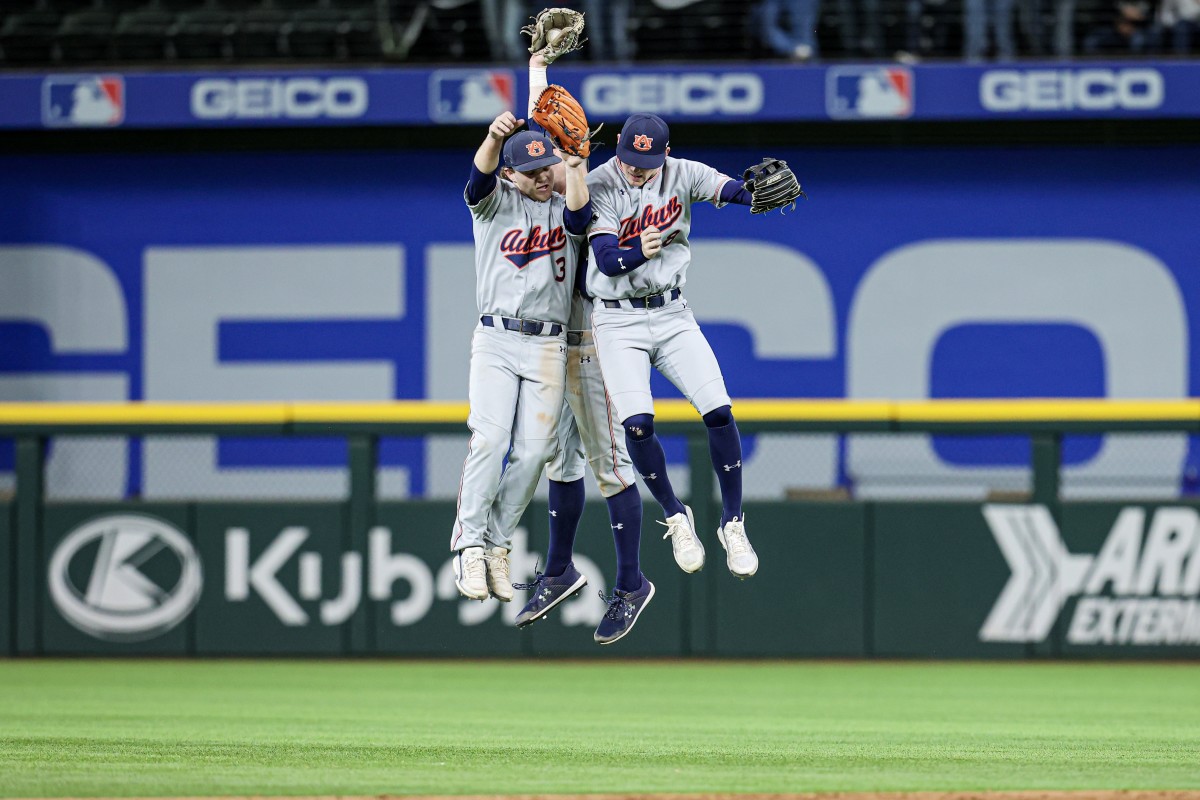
x=487 y=157
x=479 y=185
x=734 y=191
x=614 y=260
x=577 y=220
x=537 y=80
x=577 y=191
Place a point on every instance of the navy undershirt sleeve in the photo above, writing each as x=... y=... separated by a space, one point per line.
x=581 y=275
x=479 y=185
x=734 y=191
x=577 y=221
x=614 y=260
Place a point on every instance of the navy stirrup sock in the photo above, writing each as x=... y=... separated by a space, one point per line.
x=646 y=453
x=725 y=449
x=625 y=515
x=566 y=508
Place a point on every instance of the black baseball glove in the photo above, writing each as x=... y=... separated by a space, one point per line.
x=772 y=185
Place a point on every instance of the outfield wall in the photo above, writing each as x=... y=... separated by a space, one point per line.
x=838 y=579
x=348 y=276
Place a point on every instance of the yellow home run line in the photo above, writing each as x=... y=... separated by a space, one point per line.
x=760 y=410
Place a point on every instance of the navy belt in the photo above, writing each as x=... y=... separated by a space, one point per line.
x=650 y=301
x=529 y=327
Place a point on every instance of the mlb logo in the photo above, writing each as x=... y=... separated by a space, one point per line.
x=869 y=92
x=83 y=101
x=470 y=95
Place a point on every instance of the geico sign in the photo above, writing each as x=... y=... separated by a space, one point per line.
x=1063 y=90
x=290 y=98
x=685 y=93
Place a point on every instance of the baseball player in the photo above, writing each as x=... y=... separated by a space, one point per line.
x=640 y=237
x=588 y=433
x=527 y=246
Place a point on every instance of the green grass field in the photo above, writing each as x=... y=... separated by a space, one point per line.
x=170 y=728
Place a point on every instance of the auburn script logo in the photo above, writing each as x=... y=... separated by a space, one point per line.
x=661 y=218
x=521 y=249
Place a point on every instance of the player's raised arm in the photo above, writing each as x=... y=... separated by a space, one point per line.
x=577 y=191
x=483 y=168
x=538 y=80
x=487 y=157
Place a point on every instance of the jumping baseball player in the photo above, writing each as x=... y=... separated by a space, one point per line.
x=527 y=248
x=588 y=433
x=642 y=213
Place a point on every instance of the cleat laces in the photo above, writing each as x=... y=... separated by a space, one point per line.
x=499 y=565
x=473 y=568
x=538 y=578
x=677 y=532
x=735 y=537
x=618 y=606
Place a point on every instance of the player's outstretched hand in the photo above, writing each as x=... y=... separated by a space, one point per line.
x=569 y=159
x=651 y=241
x=504 y=125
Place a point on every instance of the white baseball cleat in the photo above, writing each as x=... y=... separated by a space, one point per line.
x=469 y=573
x=499 y=583
x=739 y=555
x=685 y=544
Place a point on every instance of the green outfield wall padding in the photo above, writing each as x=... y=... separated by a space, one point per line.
x=807 y=598
x=936 y=574
x=7 y=604
x=836 y=579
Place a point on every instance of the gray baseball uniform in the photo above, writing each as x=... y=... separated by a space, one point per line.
x=589 y=431
x=631 y=339
x=525 y=261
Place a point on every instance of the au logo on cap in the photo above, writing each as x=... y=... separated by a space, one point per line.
x=642 y=142
x=535 y=148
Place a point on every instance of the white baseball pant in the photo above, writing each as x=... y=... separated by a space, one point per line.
x=516 y=396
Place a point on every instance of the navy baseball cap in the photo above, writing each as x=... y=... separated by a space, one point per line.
x=529 y=150
x=643 y=142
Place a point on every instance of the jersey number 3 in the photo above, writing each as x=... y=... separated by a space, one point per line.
x=561 y=275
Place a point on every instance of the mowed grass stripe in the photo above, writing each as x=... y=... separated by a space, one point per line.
x=205 y=728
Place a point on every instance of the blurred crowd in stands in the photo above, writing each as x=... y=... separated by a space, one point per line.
x=54 y=32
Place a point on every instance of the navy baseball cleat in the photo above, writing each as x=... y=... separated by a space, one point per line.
x=549 y=591
x=624 y=608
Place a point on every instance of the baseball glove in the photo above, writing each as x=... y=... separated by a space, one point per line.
x=564 y=120
x=555 y=32
x=772 y=185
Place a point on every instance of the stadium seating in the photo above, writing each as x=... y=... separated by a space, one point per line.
x=29 y=37
x=76 y=32
x=84 y=35
x=260 y=34
x=142 y=35
x=204 y=33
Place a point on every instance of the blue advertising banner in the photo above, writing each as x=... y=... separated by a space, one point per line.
x=699 y=93
x=1056 y=272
